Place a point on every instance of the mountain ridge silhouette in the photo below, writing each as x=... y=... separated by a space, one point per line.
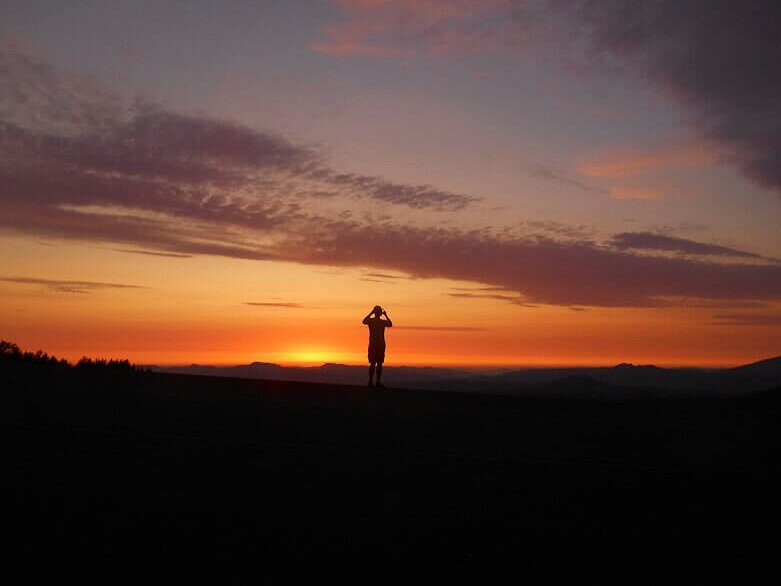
x=759 y=375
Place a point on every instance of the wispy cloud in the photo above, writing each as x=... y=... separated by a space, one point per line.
x=478 y=289
x=562 y=177
x=653 y=241
x=710 y=303
x=153 y=253
x=68 y=286
x=633 y=192
x=386 y=276
x=403 y=28
x=626 y=169
x=513 y=299
x=441 y=328
x=630 y=162
x=747 y=319
x=277 y=304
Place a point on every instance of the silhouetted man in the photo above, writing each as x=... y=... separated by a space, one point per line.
x=377 y=327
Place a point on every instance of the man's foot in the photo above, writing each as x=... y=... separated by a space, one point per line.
x=370 y=384
x=380 y=386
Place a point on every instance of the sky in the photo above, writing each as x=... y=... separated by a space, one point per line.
x=519 y=183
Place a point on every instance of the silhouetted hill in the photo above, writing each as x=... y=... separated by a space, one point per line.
x=640 y=378
x=624 y=377
x=327 y=373
x=758 y=375
x=118 y=473
x=768 y=367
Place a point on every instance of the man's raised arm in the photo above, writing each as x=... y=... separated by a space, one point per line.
x=366 y=319
x=390 y=323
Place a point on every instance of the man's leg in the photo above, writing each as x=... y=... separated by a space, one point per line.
x=379 y=373
x=371 y=374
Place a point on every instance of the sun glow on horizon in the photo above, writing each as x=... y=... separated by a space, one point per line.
x=314 y=356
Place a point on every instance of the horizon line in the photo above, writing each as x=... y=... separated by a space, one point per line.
x=461 y=366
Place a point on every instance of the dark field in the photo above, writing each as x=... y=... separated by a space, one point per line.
x=141 y=476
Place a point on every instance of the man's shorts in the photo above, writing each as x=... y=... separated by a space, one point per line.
x=377 y=352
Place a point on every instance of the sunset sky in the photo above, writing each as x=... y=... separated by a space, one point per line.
x=543 y=182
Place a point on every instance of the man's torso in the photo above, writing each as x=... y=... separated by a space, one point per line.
x=377 y=330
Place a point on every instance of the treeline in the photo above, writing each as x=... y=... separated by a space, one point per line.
x=13 y=357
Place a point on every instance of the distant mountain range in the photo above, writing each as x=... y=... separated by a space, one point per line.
x=399 y=376
x=761 y=375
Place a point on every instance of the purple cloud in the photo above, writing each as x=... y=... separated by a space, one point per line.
x=717 y=57
x=513 y=299
x=542 y=270
x=653 y=241
x=109 y=153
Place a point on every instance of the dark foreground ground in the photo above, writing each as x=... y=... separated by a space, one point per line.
x=180 y=477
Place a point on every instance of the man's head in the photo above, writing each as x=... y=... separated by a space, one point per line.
x=377 y=310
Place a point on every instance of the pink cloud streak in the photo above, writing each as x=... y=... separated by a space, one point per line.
x=402 y=28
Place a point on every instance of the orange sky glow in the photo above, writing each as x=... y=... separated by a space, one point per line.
x=517 y=183
x=197 y=311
